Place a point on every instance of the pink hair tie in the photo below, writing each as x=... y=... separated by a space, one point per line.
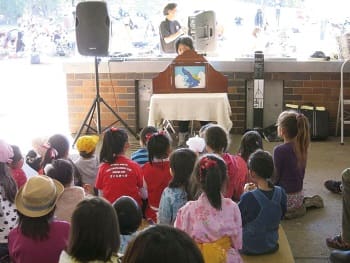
x=114 y=129
x=205 y=164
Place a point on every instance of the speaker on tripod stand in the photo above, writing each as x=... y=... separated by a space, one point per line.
x=92 y=27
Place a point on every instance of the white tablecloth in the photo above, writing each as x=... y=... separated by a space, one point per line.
x=190 y=106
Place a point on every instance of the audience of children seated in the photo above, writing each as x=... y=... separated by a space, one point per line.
x=216 y=139
x=94 y=233
x=141 y=155
x=117 y=174
x=39 y=237
x=209 y=225
x=62 y=171
x=8 y=189
x=129 y=217
x=156 y=172
x=262 y=208
x=87 y=162
x=57 y=147
x=214 y=222
x=290 y=159
x=250 y=142
x=177 y=193
x=162 y=243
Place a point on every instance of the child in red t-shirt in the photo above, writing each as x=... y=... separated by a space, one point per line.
x=216 y=140
x=156 y=172
x=117 y=174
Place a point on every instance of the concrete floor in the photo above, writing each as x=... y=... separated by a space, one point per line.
x=306 y=235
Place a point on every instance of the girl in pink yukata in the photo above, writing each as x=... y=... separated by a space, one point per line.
x=213 y=221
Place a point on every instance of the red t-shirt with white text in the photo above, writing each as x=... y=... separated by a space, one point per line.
x=123 y=177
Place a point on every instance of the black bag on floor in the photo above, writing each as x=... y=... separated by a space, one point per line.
x=318 y=119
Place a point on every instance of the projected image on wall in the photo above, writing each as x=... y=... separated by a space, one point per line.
x=188 y=77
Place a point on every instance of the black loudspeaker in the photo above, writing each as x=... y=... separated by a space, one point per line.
x=92 y=28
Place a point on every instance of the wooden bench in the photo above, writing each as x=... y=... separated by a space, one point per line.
x=283 y=254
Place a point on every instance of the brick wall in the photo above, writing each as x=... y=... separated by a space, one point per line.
x=119 y=91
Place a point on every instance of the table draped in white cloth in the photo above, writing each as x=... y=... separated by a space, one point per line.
x=190 y=106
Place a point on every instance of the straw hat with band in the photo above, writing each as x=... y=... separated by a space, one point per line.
x=38 y=196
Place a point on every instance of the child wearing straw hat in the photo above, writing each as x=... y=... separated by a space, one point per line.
x=38 y=236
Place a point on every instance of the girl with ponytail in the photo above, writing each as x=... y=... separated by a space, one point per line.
x=213 y=221
x=290 y=159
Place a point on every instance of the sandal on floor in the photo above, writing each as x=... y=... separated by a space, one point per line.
x=338 y=243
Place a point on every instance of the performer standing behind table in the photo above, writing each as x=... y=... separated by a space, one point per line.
x=169 y=29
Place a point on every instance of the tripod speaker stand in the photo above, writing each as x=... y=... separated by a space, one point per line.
x=92 y=27
x=96 y=108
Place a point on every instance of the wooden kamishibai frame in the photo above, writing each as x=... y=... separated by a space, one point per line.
x=190 y=73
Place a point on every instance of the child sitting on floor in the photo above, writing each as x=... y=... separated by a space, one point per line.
x=129 y=217
x=216 y=139
x=262 y=208
x=141 y=155
x=16 y=165
x=94 y=235
x=117 y=174
x=87 y=163
x=214 y=222
x=290 y=159
x=177 y=193
x=156 y=171
x=162 y=243
x=62 y=171
x=250 y=142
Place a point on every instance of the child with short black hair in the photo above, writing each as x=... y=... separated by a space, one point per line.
x=141 y=155
x=162 y=242
x=94 y=235
x=213 y=221
x=177 y=193
x=87 y=162
x=216 y=139
x=262 y=208
x=117 y=174
x=129 y=217
x=156 y=171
